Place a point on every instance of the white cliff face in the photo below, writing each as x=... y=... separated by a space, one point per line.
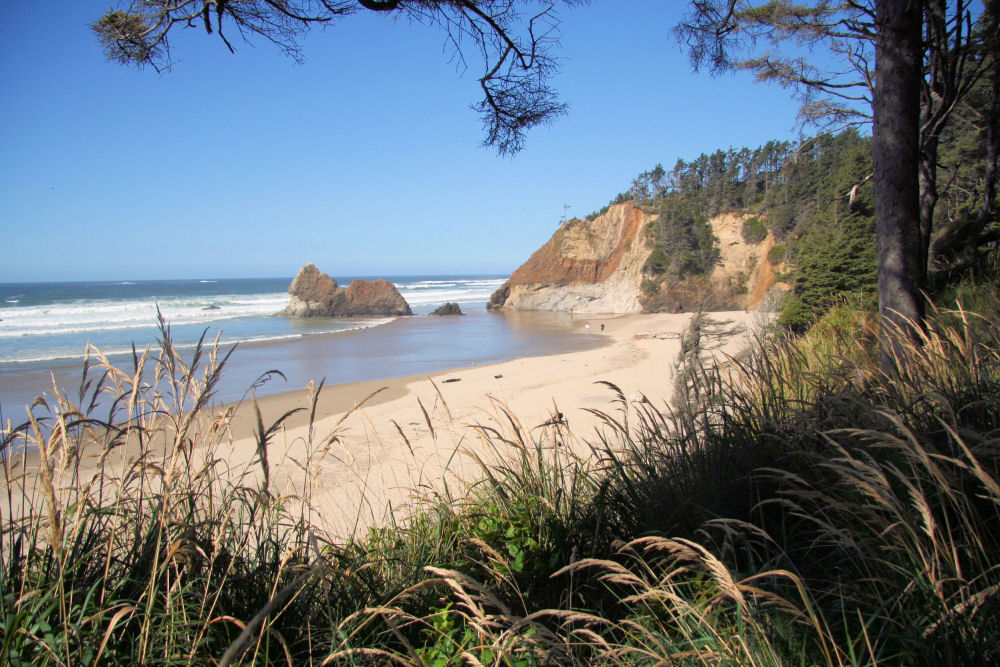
x=740 y=261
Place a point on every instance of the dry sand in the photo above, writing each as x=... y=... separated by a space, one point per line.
x=365 y=465
x=419 y=432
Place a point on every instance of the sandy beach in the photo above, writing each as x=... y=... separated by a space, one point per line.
x=377 y=446
x=419 y=432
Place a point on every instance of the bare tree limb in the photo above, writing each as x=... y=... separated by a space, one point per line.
x=516 y=51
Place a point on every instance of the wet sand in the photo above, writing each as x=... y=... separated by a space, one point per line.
x=365 y=462
x=406 y=346
x=422 y=433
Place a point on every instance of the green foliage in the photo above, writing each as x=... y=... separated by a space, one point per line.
x=776 y=255
x=847 y=328
x=754 y=230
x=124 y=36
x=650 y=287
x=519 y=531
x=796 y=315
x=657 y=262
x=806 y=501
x=815 y=195
x=684 y=242
x=450 y=641
x=833 y=261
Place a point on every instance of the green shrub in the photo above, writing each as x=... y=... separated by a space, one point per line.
x=650 y=287
x=754 y=230
x=596 y=214
x=776 y=255
x=824 y=511
x=657 y=263
x=796 y=315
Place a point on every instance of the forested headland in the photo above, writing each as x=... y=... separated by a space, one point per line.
x=815 y=197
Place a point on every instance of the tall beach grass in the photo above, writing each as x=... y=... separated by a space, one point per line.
x=797 y=505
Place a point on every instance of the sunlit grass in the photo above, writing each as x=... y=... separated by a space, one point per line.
x=797 y=505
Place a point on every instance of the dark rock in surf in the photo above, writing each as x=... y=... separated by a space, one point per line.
x=449 y=308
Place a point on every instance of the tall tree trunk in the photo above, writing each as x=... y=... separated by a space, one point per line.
x=896 y=156
x=993 y=116
x=935 y=85
x=928 y=200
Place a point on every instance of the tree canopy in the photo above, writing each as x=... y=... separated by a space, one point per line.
x=513 y=40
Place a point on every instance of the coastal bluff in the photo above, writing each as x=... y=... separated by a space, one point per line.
x=601 y=266
x=315 y=294
x=588 y=266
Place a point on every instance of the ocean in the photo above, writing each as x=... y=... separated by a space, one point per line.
x=45 y=328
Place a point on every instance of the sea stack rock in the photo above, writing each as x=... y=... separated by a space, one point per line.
x=315 y=294
x=450 y=308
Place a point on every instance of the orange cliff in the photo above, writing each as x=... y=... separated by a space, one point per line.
x=589 y=266
x=597 y=266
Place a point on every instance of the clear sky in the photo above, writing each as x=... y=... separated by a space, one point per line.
x=365 y=160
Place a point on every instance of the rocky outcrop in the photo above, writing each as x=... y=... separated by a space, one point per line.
x=598 y=267
x=315 y=294
x=588 y=266
x=450 y=308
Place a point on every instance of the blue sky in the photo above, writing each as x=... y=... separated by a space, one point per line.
x=365 y=160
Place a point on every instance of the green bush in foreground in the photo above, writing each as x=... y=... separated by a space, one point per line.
x=801 y=507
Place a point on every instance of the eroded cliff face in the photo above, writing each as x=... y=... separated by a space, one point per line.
x=586 y=267
x=597 y=267
x=743 y=265
x=741 y=279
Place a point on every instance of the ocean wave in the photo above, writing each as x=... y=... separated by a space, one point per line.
x=457 y=281
x=431 y=297
x=65 y=353
x=54 y=323
x=110 y=315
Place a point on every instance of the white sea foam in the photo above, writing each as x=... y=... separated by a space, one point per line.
x=52 y=329
x=77 y=317
x=76 y=351
x=425 y=293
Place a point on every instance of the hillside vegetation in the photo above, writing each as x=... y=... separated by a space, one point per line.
x=815 y=197
x=798 y=505
x=803 y=504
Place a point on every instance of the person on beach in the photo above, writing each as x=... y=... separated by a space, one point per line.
x=602 y=327
x=587 y=326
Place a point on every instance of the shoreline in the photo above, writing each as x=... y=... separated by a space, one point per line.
x=422 y=436
x=341 y=398
x=403 y=346
x=422 y=433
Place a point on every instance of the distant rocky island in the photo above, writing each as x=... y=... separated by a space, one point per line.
x=315 y=294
